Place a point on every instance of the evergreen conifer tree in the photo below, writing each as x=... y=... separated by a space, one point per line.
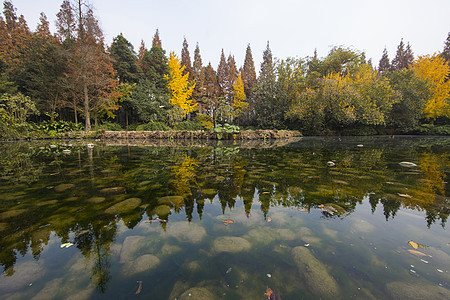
x=403 y=58
x=222 y=71
x=248 y=72
x=446 y=52
x=124 y=59
x=199 y=75
x=186 y=60
x=384 y=65
x=156 y=40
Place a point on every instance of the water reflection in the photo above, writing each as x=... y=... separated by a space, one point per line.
x=81 y=197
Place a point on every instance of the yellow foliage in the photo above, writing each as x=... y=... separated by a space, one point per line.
x=239 y=103
x=179 y=85
x=185 y=175
x=434 y=69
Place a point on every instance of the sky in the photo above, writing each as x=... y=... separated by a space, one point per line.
x=293 y=28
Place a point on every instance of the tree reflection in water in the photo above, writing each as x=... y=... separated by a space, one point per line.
x=297 y=176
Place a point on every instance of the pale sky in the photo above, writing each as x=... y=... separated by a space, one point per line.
x=293 y=28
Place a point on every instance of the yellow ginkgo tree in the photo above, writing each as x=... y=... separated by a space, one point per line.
x=179 y=85
x=239 y=103
x=434 y=70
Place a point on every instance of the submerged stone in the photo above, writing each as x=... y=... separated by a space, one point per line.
x=96 y=199
x=113 y=190
x=142 y=263
x=315 y=274
x=162 y=210
x=11 y=213
x=174 y=200
x=63 y=187
x=198 y=293
x=231 y=244
x=186 y=232
x=129 y=247
x=419 y=289
x=123 y=206
x=21 y=276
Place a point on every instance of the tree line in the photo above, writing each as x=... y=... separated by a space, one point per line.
x=72 y=75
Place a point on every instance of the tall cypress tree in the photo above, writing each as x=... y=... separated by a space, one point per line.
x=156 y=40
x=403 y=58
x=199 y=76
x=186 y=60
x=248 y=72
x=384 y=65
x=446 y=52
x=265 y=93
x=222 y=71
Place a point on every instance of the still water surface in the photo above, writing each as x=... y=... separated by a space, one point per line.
x=193 y=220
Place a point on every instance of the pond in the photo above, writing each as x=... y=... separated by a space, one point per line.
x=329 y=218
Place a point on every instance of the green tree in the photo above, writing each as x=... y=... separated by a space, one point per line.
x=124 y=60
x=405 y=114
x=222 y=72
x=265 y=93
x=199 y=75
x=341 y=61
x=155 y=67
x=41 y=75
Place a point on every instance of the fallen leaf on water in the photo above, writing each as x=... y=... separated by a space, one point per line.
x=266 y=193
x=424 y=261
x=228 y=221
x=228 y=271
x=404 y=195
x=417 y=253
x=413 y=244
x=66 y=245
x=269 y=219
x=139 y=288
x=303 y=209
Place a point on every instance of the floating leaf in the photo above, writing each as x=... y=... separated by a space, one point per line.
x=139 y=288
x=228 y=221
x=404 y=195
x=415 y=252
x=269 y=219
x=66 y=245
x=413 y=244
x=303 y=209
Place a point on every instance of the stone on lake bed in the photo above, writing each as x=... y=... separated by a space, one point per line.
x=231 y=244
x=162 y=210
x=96 y=199
x=124 y=206
x=198 y=293
x=175 y=200
x=418 y=289
x=11 y=213
x=23 y=274
x=186 y=232
x=314 y=272
x=141 y=264
x=63 y=187
x=113 y=190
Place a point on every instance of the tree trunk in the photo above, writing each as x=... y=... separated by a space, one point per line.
x=86 y=107
x=75 y=111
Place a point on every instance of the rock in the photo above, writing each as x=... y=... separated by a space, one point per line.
x=419 y=289
x=162 y=210
x=63 y=187
x=22 y=275
x=231 y=244
x=331 y=164
x=129 y=246
x=186 y=232
x=66 y=151
x=315 y=275
x=142 y=263
x=124 y=206
x=261 y=235
x=113 y=190
x=407 y=164
x=171 y=200
x=168 y=250
x=96 y=199
x=11 y=213
x=198 y=293
x=3 y=226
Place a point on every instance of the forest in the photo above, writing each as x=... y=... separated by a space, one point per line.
x=72 y=81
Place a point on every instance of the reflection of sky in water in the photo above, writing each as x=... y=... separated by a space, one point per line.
x=304 y=251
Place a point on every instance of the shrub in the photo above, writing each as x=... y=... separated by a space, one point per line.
x=153 y=126
x=188 y=125
x=60 y=126
x=109 y=126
